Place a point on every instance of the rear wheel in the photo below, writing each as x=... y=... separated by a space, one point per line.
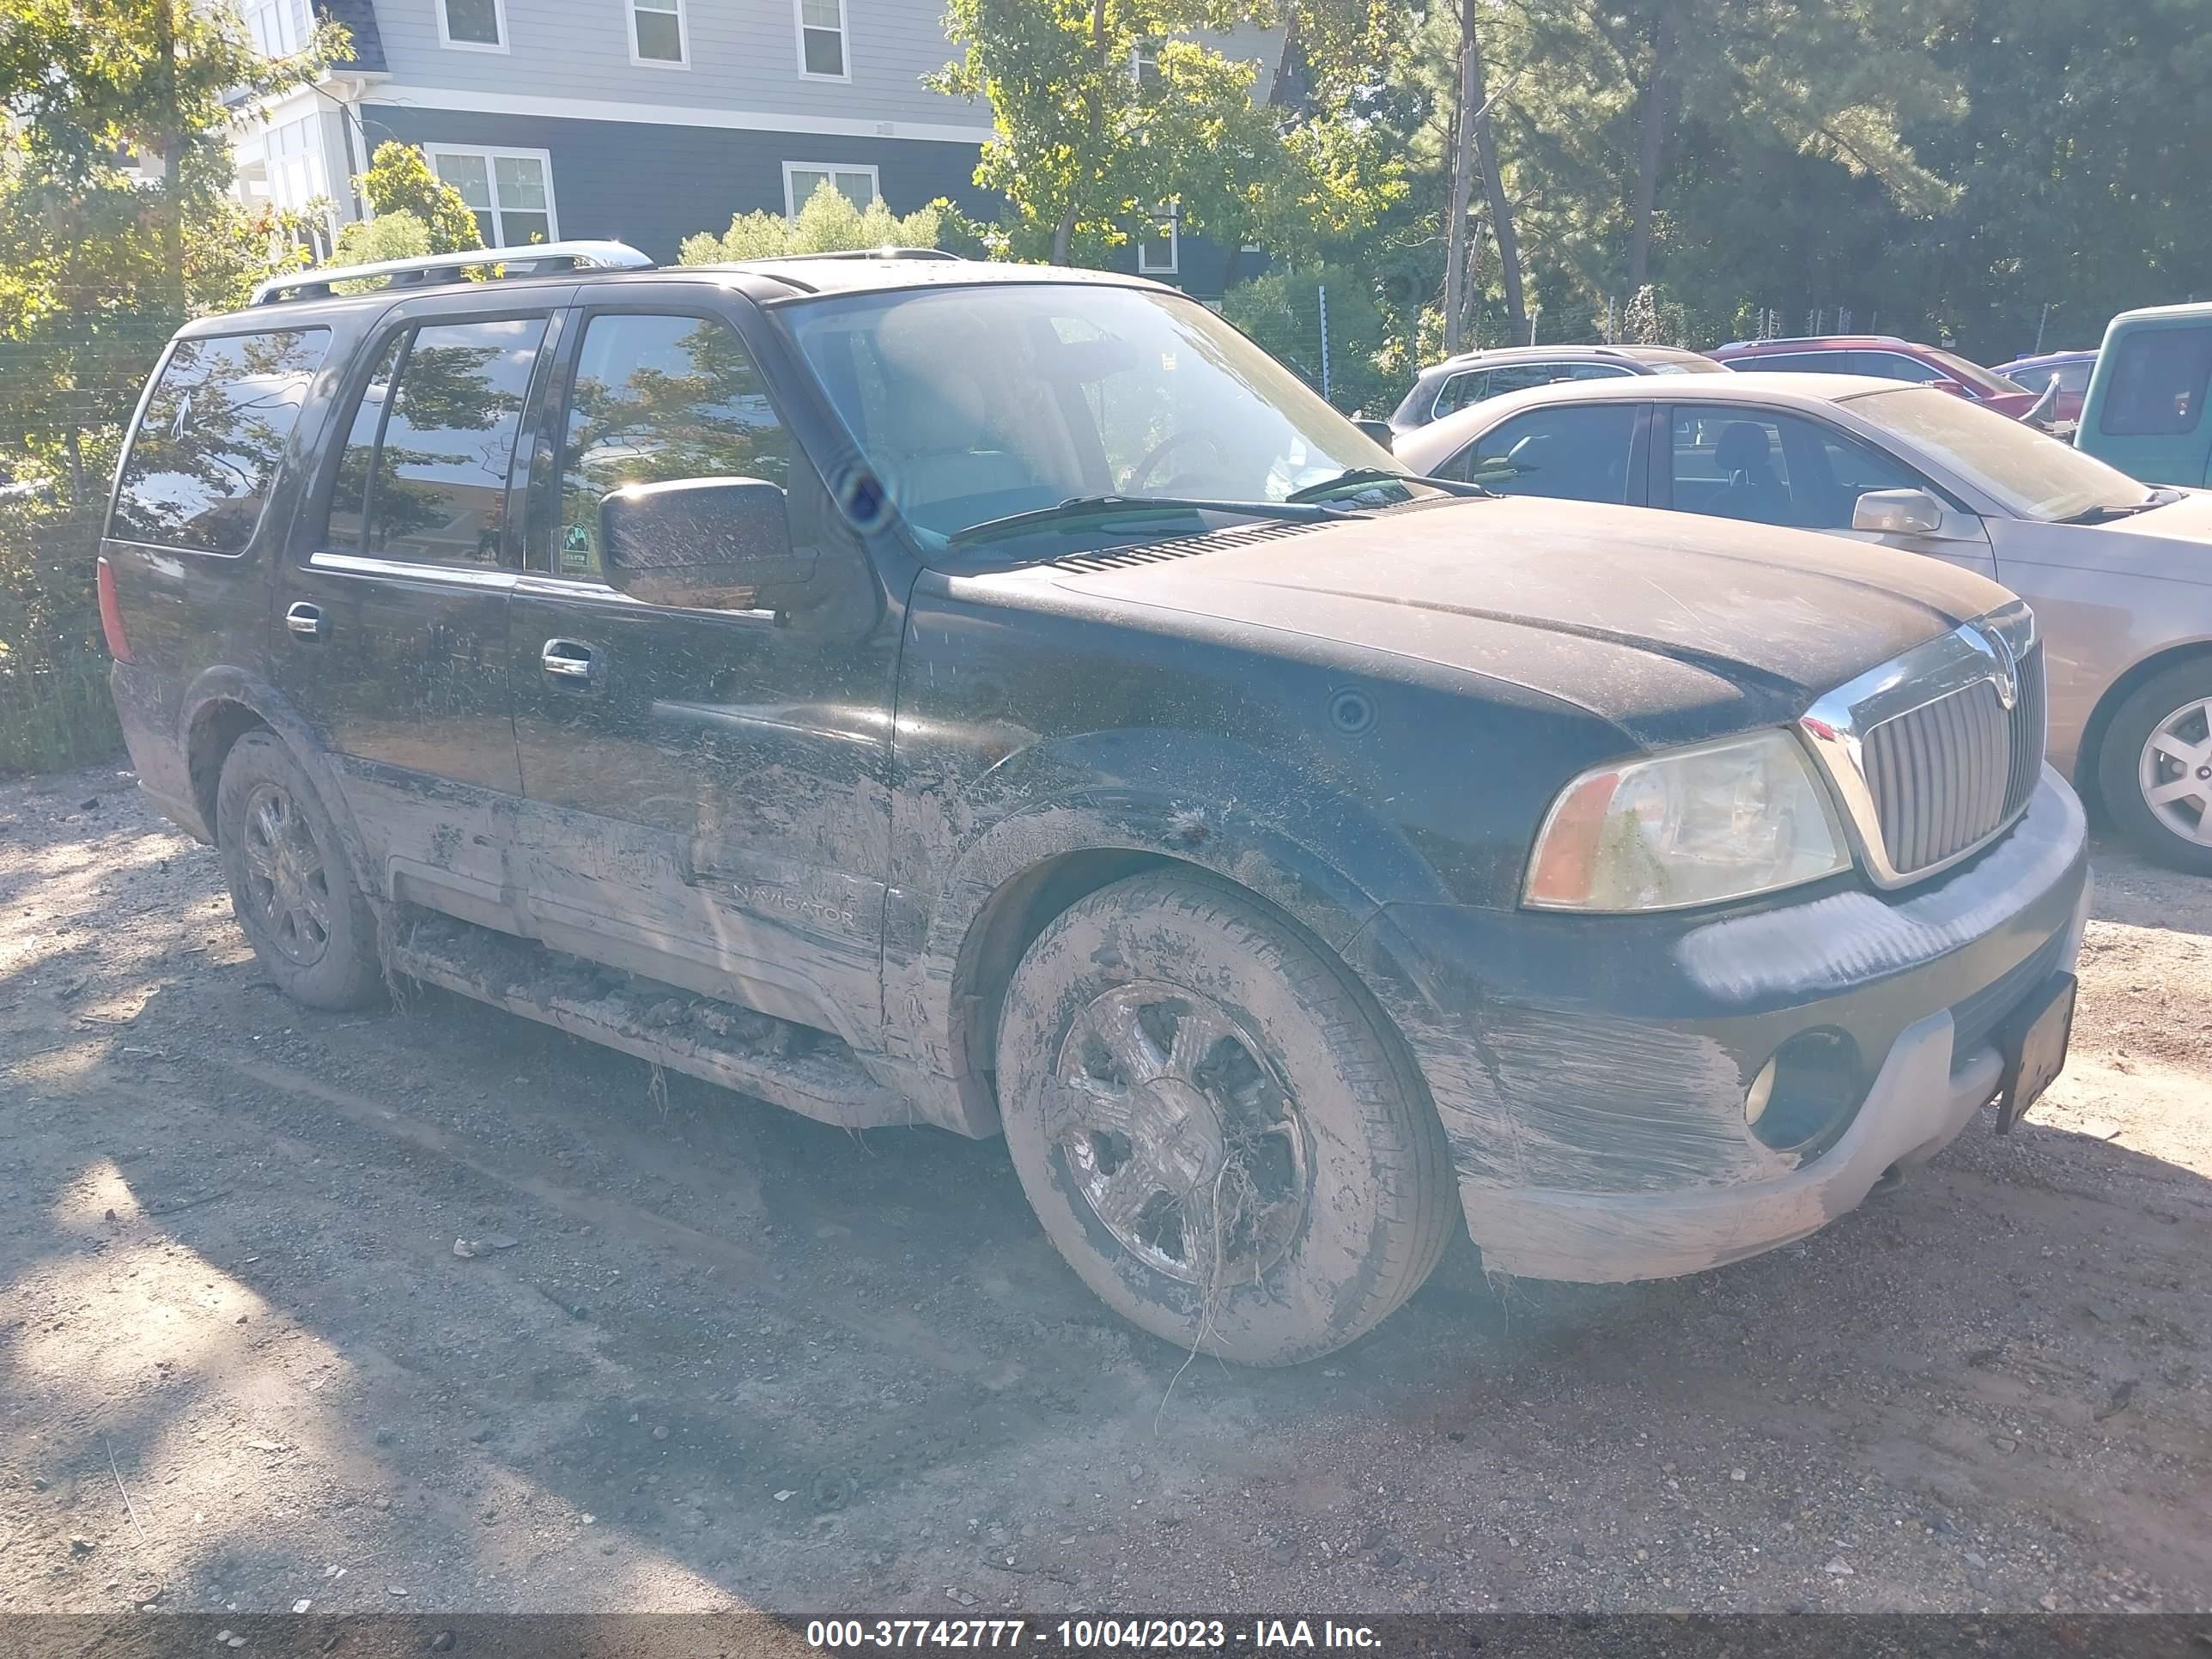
x=292 y=887
x=1214 y=1125
x=2154 y=771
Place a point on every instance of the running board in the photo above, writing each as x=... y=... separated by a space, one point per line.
x=804 y=1071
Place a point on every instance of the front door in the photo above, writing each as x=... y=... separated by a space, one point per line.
x=391 y=620
x=709 y=796
x=1767 y=466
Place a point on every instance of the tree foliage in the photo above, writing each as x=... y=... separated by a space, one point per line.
x=828 y=222
x=1282 y=310
x=1108 y=112
x=400 y=181
x=1932 y=168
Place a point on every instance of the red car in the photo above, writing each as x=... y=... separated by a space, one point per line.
x=1882 y=354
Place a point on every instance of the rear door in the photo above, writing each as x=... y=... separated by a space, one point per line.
x=201 y=497
x=390 y=620
x=709 y=793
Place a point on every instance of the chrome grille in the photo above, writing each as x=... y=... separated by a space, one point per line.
x=1948 y=775
x=1928 y=760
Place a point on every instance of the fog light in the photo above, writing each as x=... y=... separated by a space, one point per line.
x=1762 y=1091
x=1804 y=1095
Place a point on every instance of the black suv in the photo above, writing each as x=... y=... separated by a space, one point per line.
x=1003 y=698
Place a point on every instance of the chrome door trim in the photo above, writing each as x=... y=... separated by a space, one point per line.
x=449 y=575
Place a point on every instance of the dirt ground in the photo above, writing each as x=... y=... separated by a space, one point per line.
x=712 y=1355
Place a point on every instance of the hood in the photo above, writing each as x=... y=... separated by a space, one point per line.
x=2172 y=542
x=2012 y=404
x=1673 y=627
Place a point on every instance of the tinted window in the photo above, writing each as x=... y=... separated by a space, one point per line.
x=1895 y=366
x=202 y=461
x=1774 y=468
x=424 y=472
x=1468 y=386
x=656 y=398
x=1798 y=362
x=1574 y=454
x=2158 y=382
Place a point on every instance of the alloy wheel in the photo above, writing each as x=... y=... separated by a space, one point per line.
x=2175 y=771
x=1180 y=1134
x=286 y=886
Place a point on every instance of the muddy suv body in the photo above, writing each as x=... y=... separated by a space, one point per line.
x=1295 y=862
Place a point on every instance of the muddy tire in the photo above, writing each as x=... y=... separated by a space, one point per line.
x=292 y=887
x=2154 y=771
x=1216 y=1126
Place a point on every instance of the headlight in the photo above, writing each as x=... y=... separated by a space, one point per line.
x=1721 y=821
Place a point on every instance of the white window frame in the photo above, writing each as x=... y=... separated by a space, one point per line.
x=1171 y=220
x=1139 y=54
x=446 y=40
x=681 y=60
x=490 y=154
x=791 y=202
x=289 y=19
x=798 y=41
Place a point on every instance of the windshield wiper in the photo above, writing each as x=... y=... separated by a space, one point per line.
x=2103 y=514
x=1360 y=475
x=1083 y=506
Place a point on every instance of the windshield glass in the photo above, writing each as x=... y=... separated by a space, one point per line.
x=975 y=404
x=1685 y=365
x=1973 y=374
x=2033 y=473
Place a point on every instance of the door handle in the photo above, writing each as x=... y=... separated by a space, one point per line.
x=307 y=622
x=569 y=660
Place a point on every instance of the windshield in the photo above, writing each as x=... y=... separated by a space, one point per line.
x=972 y=404
x=1685 y=365
x=1982 y=380
x=2034 y=474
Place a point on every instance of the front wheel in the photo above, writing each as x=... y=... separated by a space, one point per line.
x=2154 y=770
x=1215 y=1126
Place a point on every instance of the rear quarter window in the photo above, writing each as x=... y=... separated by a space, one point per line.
x=205 y=454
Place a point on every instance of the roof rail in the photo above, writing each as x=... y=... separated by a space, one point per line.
x=1814 y=339
x=865 y=253
x=533 y=259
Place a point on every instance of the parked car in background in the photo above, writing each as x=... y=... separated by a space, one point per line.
x=1472 y=376
x=919 y=692
x=2120 y=575
x=2145 y=410
x=2069 y=369
x=1883 y=355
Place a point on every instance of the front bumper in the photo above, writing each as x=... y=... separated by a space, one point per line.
x=1590 y=1072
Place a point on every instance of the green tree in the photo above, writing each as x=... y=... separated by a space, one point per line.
x=1282 y=311
x=87 y=81
x=828 y=222
x=400 y=181
x=1106 y=112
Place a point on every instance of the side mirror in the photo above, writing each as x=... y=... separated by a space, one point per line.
x=1378 y=430
x=708 y=543
x=1898 y=513
x=1956 y=388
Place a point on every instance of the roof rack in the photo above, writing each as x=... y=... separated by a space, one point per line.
x=534 y=259
x=865 y=253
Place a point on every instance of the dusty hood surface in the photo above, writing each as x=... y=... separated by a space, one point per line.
x=1672 y=626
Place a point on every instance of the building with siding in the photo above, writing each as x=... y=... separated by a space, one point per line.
x=641 y=120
